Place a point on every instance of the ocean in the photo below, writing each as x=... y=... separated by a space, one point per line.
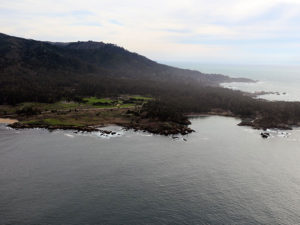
x=284 y=80
x=221 y=174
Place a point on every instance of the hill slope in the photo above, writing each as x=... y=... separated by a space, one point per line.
x=48 y=71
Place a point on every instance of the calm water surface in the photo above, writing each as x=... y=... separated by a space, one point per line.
x=222 y=174
x=272 y=78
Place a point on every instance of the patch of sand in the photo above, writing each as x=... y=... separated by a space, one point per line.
x=7 y=121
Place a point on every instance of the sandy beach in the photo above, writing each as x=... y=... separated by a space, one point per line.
x=7 y=121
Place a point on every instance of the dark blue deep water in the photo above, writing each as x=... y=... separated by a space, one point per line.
x=222 y=174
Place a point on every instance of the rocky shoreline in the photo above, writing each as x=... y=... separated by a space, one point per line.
x=261 y=93
x=157 y=127
x=19 y=125
x=131 y=120
x=162 y=129
x=260 y=123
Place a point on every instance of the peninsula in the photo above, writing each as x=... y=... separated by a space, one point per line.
x=87 y=85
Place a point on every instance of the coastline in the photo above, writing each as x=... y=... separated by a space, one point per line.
x=159 y=128
x=87 y=117
x=154 y=126
x=90 y=120
x=258 y=123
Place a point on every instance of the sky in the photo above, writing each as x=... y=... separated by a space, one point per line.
x=207 y=31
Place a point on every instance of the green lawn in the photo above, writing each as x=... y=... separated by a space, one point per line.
x=108 y=103
x=89 y=102
x=126 y=105
x=93 y=100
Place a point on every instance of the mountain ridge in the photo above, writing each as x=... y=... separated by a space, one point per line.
x=48 y=71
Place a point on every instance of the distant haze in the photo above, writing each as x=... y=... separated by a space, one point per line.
x=215 y=31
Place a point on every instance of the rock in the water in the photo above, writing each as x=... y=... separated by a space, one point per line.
x=265 y=135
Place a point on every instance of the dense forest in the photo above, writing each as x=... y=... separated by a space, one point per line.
x=258 y=113
x=50 y=71
x=46 y=72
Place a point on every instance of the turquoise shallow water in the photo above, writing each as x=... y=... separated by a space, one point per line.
x=272 y=78
x=222 y=174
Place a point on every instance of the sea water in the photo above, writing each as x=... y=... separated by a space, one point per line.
x=221 y=174
x=282 y=80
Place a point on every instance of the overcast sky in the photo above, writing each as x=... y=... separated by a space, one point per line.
x=213 y=31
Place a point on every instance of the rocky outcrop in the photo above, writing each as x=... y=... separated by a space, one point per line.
x=52 y=127
x=265 y=135
x=263 y=123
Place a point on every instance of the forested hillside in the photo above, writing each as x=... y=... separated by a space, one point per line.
x=49 y=71
x=35 y=71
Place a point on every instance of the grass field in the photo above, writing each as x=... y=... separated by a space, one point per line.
x=65 y=107
x=94 y=100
